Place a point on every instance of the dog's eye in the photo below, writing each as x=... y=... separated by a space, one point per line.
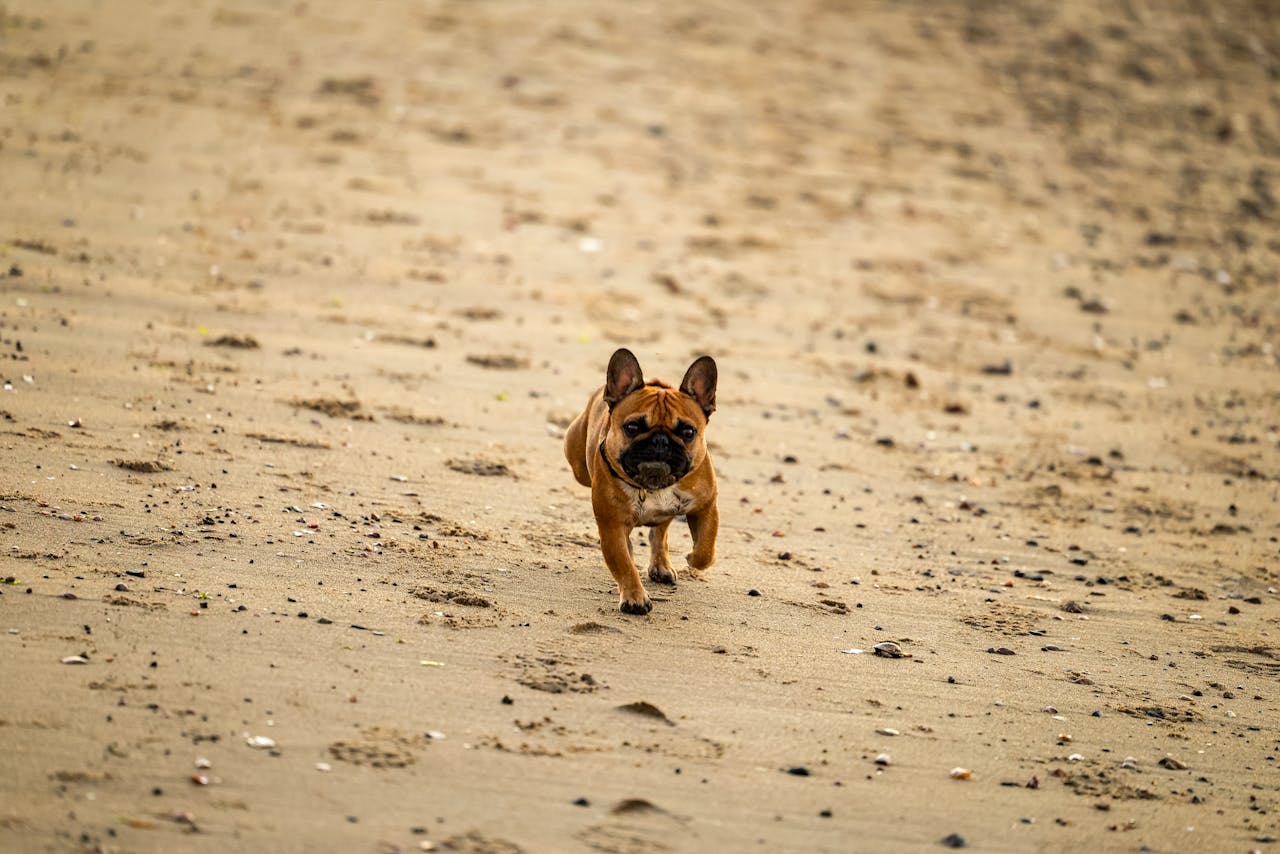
x=687 y=432
x=634 y=428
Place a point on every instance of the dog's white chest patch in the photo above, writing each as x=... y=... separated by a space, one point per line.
x=658 y=506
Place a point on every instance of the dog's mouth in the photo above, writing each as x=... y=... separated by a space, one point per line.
x=654 y=475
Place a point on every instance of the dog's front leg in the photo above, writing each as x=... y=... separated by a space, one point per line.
x=703 y=526
x=615 y=542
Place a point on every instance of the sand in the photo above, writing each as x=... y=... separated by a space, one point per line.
x=297 y=298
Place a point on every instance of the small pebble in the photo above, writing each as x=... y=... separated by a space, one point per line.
x=883 y=759
x=954 y=840
x=961 y=774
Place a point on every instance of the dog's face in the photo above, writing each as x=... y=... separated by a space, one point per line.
x=655 y=431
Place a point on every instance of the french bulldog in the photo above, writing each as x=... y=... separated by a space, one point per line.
x=641 y=447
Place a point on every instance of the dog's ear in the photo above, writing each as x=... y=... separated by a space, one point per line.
x=624 y=376
x=700 y=383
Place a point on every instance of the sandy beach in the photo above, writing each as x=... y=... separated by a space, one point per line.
x=298 y=298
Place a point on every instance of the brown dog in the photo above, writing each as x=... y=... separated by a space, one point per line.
x=640 y=448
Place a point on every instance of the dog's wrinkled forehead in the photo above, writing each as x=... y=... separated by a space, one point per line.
x=662 y=406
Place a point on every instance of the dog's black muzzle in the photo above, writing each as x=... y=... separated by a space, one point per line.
x=656 y=461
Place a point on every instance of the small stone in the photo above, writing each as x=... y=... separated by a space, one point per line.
x=961 y=774
x=798 y=771
x=883 y=759
x=887 y=730
x=954 y=840
x=753 y=592
x=581 y=802
x=1172 y=764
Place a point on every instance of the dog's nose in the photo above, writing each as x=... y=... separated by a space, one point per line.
x=660 y=441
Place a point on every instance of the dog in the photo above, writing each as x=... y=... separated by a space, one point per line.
x=641 y=447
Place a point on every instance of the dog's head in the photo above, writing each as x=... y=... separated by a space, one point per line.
x=655 y=431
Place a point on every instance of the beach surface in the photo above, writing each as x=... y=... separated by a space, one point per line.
x=297 y=299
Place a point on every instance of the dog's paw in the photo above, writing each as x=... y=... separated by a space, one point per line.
x=697 y=561
x=642 y=606
x=662 y=574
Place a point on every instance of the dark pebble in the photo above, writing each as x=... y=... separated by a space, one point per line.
x=324 y=621
x=1169 y=617
x=1004 y=650
x=753 y=592
x=825 y=814
x=1254 y=600
x=120 y=588
x=1232 y=609
x=507 y=701
x=951 y=680
x=954 y=840
x=582 y=802
x=302 y=614
x=784 y=556
x=70 y=596
x=1097 y=713
x=136 y=573
x=798 y=771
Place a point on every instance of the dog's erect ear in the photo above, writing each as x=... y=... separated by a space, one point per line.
x=700 y=383
x=624 y=377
